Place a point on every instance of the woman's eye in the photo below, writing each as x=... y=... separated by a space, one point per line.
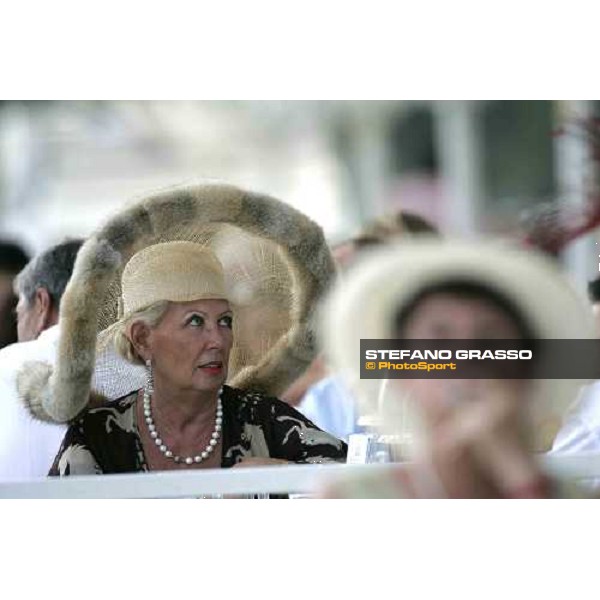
x=196 y=320
x=226 y=322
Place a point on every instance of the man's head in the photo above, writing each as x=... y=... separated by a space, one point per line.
x=40 y=286
x=389 y=228
x=12 y=259
x=381 y=231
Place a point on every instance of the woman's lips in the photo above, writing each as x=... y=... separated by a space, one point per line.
x=212 y=368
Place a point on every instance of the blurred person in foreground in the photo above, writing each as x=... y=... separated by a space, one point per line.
x=28 y=446
x=319 y=394
x=158 y=284
x=12 y=260
x=466 y=438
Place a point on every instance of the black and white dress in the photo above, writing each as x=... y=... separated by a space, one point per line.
x=106 y=439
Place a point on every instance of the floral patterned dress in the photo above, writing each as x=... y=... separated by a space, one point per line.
x=107 y=440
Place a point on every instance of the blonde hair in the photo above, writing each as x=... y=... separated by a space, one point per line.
x=151 y=315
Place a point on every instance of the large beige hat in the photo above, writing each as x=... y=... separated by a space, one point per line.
x=389 y=278
x=276 y=266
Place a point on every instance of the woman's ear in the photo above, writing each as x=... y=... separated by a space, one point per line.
x=139 y=334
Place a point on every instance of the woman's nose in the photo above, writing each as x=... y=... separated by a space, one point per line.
x=215 y=337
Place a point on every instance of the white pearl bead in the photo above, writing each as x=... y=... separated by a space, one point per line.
x=151 y=426
x=158 y=442
x=163 y=448
x=153 y=435
x=149 y=420
x=215 y=435
x=218 y=427
x=205 y=454
x=213 y=442
x=147 y=413
x=189 y=460
x=218 y=421
x=197 y=459
x=169 y=454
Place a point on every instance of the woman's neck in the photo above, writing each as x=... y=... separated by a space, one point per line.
x=181 y=409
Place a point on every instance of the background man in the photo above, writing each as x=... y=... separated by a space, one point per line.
x=28 y=446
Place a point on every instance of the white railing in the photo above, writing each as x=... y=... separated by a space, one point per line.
x=293 y=479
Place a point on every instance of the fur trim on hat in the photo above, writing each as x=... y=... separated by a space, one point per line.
x=63 y=395
x=34 y=388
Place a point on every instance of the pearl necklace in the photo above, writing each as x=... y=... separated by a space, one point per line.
x=188 y=460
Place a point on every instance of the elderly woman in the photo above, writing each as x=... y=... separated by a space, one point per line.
x=177 y=321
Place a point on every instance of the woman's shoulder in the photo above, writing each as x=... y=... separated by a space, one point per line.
x=251 y=399
x=291 y=436
x=101 y=440
x=117 y=410
x=257 y=407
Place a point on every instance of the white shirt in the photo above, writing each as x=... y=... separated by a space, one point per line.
x=27 y=446
x=331 y=407
x=581 y=430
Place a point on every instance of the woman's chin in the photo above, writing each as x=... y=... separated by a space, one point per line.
x=209 y=379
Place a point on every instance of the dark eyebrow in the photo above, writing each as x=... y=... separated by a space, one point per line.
x=205 y=314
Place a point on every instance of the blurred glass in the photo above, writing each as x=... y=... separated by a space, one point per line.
x=370 y=448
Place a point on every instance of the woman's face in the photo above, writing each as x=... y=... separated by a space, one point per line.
x=448 y=316
x=190 y=347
